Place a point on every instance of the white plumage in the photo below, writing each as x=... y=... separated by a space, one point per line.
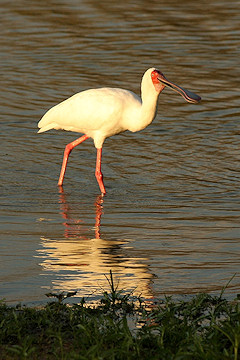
x=100 y=113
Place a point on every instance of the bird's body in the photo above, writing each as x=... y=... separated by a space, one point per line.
x=98 y=113
x=104 y=112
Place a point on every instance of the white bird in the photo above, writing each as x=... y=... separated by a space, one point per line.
x=100 y=113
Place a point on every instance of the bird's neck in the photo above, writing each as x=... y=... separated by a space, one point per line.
x=147 y=111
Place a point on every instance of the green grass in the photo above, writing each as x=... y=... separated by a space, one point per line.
x=205 y=327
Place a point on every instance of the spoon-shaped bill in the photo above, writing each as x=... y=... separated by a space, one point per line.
x=186 y=94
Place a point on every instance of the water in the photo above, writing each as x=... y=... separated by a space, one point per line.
x=169 y=223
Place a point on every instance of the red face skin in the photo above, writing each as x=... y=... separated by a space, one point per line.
x=155 y=79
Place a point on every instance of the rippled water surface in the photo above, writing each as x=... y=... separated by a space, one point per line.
x=170 y=222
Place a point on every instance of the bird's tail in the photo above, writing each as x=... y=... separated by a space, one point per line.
x=46 y=127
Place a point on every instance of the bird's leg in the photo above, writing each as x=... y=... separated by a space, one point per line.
x=67 y=152
x=98 y=172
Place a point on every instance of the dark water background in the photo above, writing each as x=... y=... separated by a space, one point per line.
x=170 y=223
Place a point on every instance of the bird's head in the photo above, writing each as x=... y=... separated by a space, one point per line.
x=159 y=82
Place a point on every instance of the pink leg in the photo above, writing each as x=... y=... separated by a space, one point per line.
x=67 y=152
x=98 y=172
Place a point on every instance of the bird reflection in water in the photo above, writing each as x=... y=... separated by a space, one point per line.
x=78 y=262
x=78 y=224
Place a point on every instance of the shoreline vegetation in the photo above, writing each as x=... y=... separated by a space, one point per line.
x=204 y=327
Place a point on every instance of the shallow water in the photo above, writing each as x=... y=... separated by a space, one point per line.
x=169 y=223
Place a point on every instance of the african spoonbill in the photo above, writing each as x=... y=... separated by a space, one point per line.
x=103 y=112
